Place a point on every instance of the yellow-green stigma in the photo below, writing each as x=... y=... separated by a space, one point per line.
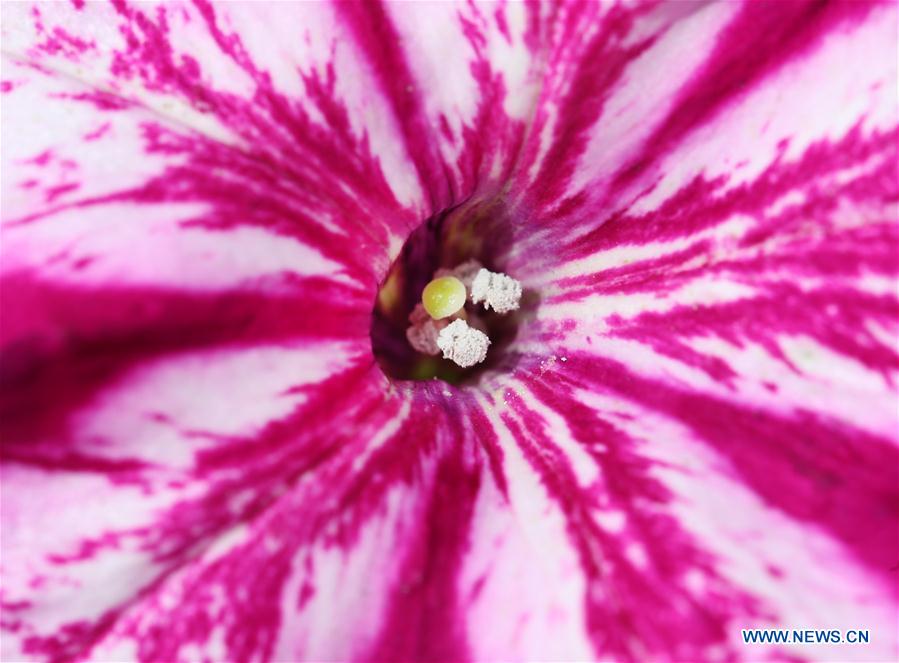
x=443 y=297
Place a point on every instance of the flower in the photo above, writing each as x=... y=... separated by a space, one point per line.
x=691 y=429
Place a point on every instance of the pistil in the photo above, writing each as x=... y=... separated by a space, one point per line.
x=443 y=297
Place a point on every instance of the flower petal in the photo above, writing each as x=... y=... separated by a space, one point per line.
x=716 y=421
x=675 y=471
x=198 y=202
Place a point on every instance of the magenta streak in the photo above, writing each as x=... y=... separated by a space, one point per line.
x=251 y=577
x=492 y=132
x=760 y=39
x=378 y=39
x=65 y=644
x=489 y=441
x=816 y=470
x=41 y=159
x=98 y=133
x=395 y=462
x=52 y=459
x=8 y=609
x=100 y=99
x=60 y=190
x=854 y=252
x=499 y=15
x=657 y=274
x=306 y=437
x=60 y=42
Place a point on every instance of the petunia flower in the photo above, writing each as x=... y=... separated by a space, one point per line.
x=219 y=445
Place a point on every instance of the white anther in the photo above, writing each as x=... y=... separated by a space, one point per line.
x=462 y=344
x=423 y=332
x=500 y=292
x=465 y=272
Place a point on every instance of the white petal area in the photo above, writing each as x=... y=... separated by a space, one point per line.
x=166 y=411
x=820 y=380
x=51 y=140
x=94 y=247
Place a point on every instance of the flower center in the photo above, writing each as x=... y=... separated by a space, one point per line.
x=445 y=309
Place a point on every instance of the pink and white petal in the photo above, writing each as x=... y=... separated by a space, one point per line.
x=106 y=496
x=659 y=361
x=647 y=519
x=359 y=91
x=131 y=346
x=207 y=213
x=724 y=110
x=336 y=564
x=720 y=312
x=160 y=240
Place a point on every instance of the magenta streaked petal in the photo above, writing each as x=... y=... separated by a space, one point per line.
x=737 y=509
x=665 y=117
x=413 y=118
x=110 y=491
x=723 y=315
x=696 y=429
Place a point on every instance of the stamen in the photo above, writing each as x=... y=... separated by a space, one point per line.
x=500 y=292
x=462 y=344
x=423 y=331
x=443 y=297
x=465 y=272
